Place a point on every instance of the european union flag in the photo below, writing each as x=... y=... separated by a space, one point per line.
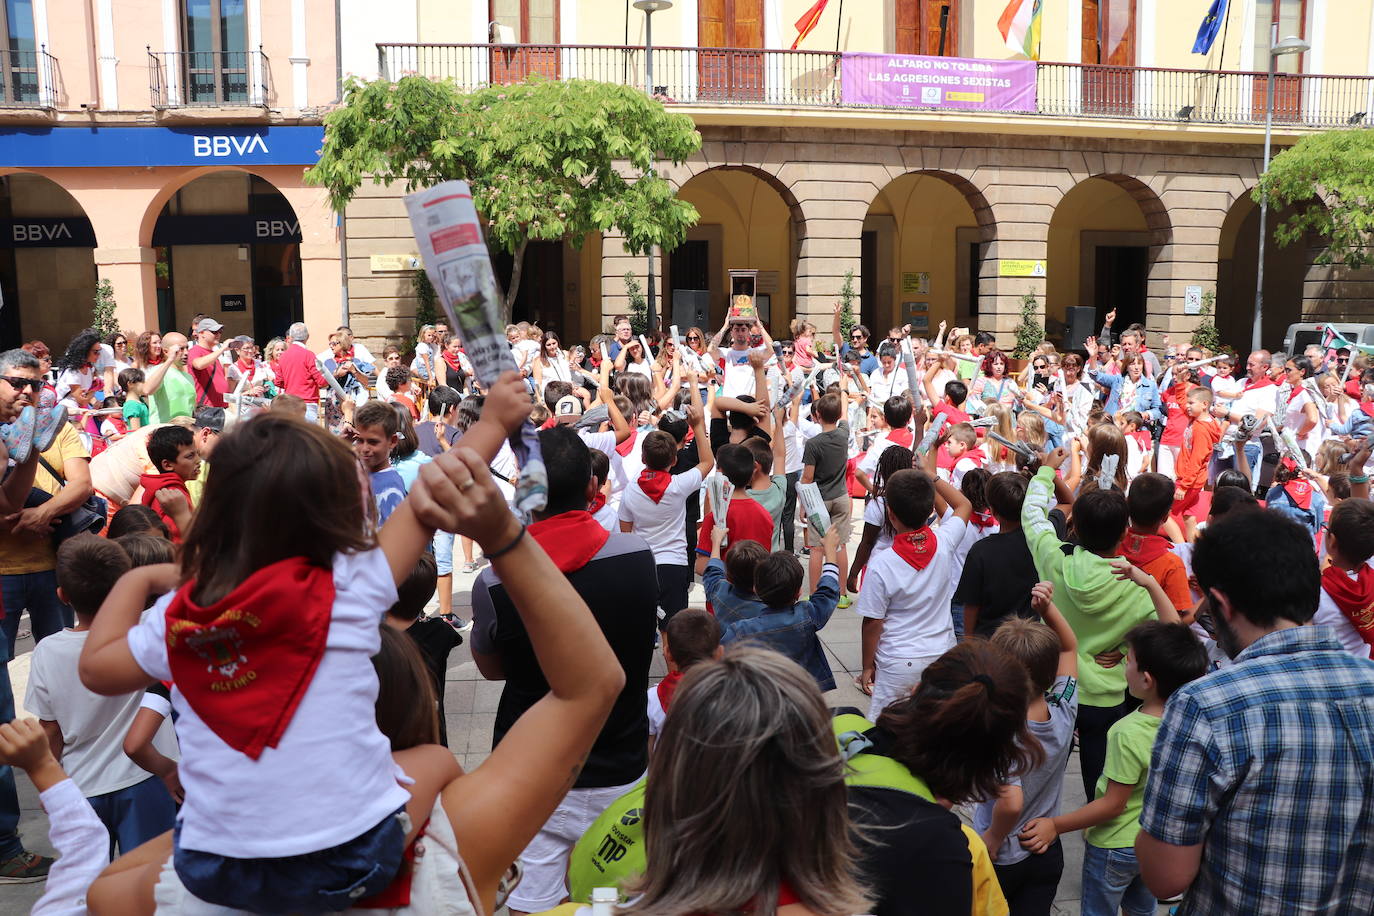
x=1211 y=24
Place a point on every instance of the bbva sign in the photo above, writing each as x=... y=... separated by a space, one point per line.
x=220 y=147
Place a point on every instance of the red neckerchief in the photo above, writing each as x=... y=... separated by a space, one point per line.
x=667 y=687
x=596 y=504
x=1300 y=491
x=1142 y=439
x=1352 y=388
x=245 y=662
x=623 y=449
x=903 y=437
x=275 y=366
x=955 y=414
x=570 y=539
x=347 y=354
x=244 y=367
x=1354 y=597
x=917 y=548
x=654 y=484
x=151 y=483
x=982 y=519
x=1142 y=548
x=976 y=455
x=1297 y=390
x=451 y=359
x=1367 y=407
x=1262 y=383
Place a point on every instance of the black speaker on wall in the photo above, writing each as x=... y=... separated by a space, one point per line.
x=1081 y=322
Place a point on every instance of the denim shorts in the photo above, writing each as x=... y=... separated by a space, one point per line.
x=328 y=881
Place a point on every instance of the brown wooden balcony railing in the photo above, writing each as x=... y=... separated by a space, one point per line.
x=813 y=79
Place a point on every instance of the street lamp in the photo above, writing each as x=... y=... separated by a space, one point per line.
x=649 y=7
x=1290 y=45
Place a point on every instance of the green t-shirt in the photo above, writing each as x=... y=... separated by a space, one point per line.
x=134 y=409
x=612 y=850
x=773 y=498
x=1129 y=742
x=175 y=397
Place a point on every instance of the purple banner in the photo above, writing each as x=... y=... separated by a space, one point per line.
x=912 y=81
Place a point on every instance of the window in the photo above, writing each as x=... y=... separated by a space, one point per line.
x=929 y=27
x=215 y=56
x=1109 y=32
x=531 y=22
x=19 y=57
x=1292 y=19
x=736 y=75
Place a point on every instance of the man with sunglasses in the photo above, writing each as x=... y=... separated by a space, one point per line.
x=857 y=343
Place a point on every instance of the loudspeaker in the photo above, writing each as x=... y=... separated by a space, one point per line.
x=691 y=308
x=1081 y=323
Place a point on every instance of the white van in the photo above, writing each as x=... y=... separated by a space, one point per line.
x=1300 y=336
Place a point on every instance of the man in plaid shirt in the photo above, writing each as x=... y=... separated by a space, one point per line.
x=1261 y=790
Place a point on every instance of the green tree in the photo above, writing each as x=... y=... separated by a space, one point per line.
x=1329 y=177
x=546 y=160
x=1206 y=335
x=639 y=305
x=847 y=297
x=426 y=300
x=103 y=311
x=1030 y=333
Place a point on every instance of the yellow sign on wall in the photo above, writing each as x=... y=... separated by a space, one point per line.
x=915 y=282
x=1010 y=268
x=382 y=263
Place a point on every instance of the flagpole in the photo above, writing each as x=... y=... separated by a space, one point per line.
x=839 y=18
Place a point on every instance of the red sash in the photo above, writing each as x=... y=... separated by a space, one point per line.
x=917 y=548
x=1354 y=597
x=623 y=449
x=570 y=539
x=654 y=484
x=151 y=483
x=1141 y=548
x=245 y=662
x=667 y=687
x=903 y=437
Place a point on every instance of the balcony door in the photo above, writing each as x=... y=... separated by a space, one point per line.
x=1292 y=19
x=214 y=61
x=736 y=72
x=19 y=56
x=1109 y=41
x=929 y=27
x=533 y=24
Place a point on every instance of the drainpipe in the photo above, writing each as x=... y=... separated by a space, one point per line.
x=92 y=44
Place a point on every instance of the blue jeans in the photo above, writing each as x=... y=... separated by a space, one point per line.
x=135 y=814
x=10 y=844
x=37 y=593
x=443 y=552
x=1112 y=882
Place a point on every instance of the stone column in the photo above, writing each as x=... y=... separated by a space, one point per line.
x=615 y=262
x=132 y=274
x=1021 y=213
x=1187 y=253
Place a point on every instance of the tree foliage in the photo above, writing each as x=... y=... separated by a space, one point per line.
x=1206 y=335
x=1030 y=333
x=848 y=321
x=103 y=310
x=639 y=305
x=546 y=160
x=1329 y=177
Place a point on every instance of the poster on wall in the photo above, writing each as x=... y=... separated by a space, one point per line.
x=956 y=83
x=916 y=282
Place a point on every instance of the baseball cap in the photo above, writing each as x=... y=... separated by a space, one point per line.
x=568 y=406
x=208 y=324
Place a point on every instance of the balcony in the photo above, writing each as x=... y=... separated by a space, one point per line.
x=815 y=80
x=28 y=79
x=209 y=79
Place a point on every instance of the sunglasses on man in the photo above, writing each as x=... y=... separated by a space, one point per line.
x=20 y=383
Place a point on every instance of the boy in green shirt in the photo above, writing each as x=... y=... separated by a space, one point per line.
x=1161 y=658
x=1100 y=594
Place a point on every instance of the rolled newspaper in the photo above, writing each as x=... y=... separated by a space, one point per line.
x=1192 y=365
x=333 y=383
x=1017 y=447
x=720 y=491
x=966 y=357
x=456 y=259
x=817 y=518
x=928 y=440
x=909 y=363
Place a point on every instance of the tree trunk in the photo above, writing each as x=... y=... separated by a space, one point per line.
x=514 y=287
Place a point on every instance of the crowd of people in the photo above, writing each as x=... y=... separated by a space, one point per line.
x=239 y=571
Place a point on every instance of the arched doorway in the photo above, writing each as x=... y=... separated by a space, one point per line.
x=1104 y=237
x=553 y=291
x=922 y=248
x=228 y=245
x=1291 y=275
x=47 y=262
x=749 y=220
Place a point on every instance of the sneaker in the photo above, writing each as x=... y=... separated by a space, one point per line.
x=25 y=868
x=458 y=623
x=18 y=435
x=845 y=601
x=47 y=426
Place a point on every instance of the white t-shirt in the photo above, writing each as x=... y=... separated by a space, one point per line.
x=881 y=387
x=1295 y=418
x=657 y=714
x=739 y=376
x=605 y=443
x=93 y=727
x=643 y=367
x=1330 y=616
x=662 y=524
x=1262 y=398
x=607 y=518
x=331 y=777
x=74 y=378
x=792 y=442
x=914 y=604
x=875 y=512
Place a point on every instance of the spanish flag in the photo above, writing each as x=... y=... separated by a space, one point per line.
x=1020 y=27
x=808 y=21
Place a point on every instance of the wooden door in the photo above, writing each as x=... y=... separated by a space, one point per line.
x=735 y=73
x=929 y=27
x=534 y=24
x=1109 y=42
x=1292 y=19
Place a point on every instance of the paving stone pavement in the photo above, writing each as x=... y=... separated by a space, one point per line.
x=470 y=707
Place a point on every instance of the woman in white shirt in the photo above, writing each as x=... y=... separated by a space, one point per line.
x=888 y=379
x=552 y=364
x=1301 y=414
x=632 y=359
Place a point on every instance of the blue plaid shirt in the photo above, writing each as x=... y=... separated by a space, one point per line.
x=1270 y=765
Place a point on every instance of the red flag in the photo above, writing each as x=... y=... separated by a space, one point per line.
x=808 y=21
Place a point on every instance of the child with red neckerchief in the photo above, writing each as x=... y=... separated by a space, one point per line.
x=267 y=633
x=1347 y=595
x=1296 y=496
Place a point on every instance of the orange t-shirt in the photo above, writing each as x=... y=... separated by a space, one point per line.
x=1190 y=472
x=1168 y=570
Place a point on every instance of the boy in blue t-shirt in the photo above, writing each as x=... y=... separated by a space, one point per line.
x=376 y=430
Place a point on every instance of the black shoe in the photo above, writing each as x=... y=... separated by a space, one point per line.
x=25 y=868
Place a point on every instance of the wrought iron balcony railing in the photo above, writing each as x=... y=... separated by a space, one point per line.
x=28 y=79
x=209 y=79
